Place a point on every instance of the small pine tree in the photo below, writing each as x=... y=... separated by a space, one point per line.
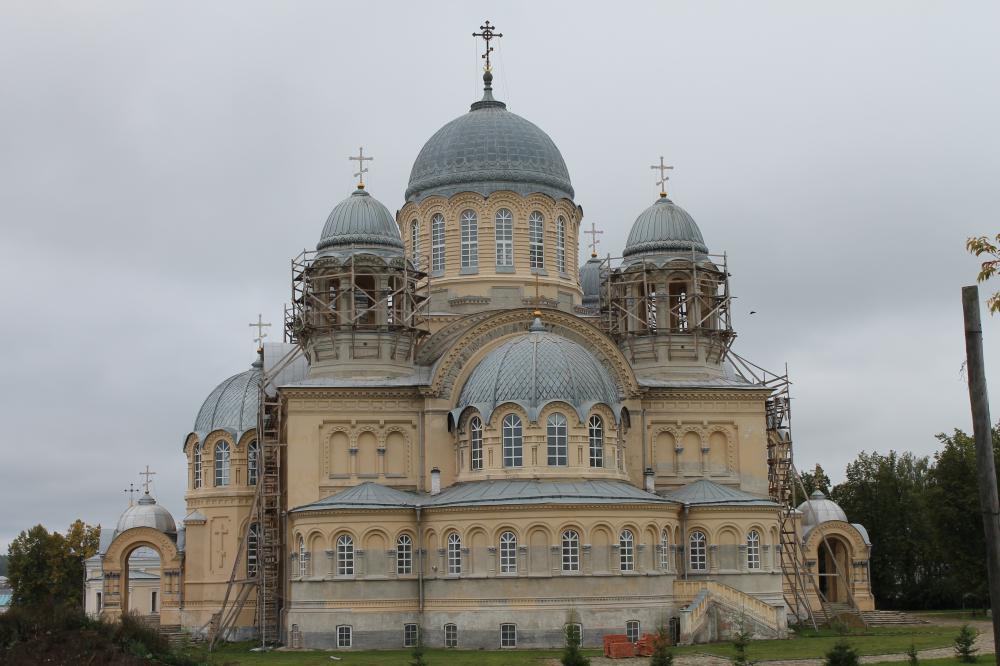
x=662 y=656
x=841 y=654
x=963 y=644
x=418 y=652
x=911 y=655
x=740 y=642
x=571 y=653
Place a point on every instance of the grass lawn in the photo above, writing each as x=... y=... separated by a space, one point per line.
x=967 y=615
x=239 y=654
x=949 y=661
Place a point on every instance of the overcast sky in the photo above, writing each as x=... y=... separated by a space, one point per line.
x=161 y=163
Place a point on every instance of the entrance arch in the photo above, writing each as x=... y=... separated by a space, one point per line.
x=115 y=564
x=833 y=557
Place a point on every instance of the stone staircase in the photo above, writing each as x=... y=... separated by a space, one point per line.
x=889 y=618
x=714 y=611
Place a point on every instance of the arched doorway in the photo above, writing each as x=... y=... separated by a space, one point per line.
x=833 y=558
x=141 y=579
x=117 y=585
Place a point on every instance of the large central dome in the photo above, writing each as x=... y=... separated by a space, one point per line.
x=487 y=150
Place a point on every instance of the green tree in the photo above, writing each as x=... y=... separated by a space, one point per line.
x=3 y=565
x=841 y=654
x=662 y=656
x=47 y=569
x=911 y=655
x=740 y=643
x=983 y=245
x=815 y=480
x=571 y=655
x=964 y=644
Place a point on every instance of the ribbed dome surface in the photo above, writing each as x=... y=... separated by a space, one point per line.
x=818 y=509
x=360 y=220
x=487 y=150
x=590 y=282
x=664 y=227
x=146 y=513
x=232 y=405
x=534 y=369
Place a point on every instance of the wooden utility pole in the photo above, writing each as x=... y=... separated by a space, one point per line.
x=981 y=428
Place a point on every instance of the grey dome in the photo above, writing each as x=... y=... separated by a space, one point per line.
x=818 y=509
x=232 y=406
x=487 y=150
x=664 y=227
x=360 y=220
x=535 y=369
x=146 y=513
x=590 y=282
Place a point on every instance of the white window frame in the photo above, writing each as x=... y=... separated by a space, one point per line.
x=454 y=554
x=253 y=462
x=450 y=635
x=556 y=439
x=404 y=555
x=470 y=239
x=253 y=549
x=438 y=250
x=345 y=555
x=504 y=235
x=415 y=240
x=664 y=550
x=303 y=559
x=513 y=441
x=411 y=635
x=223 y=456
x=508 y=635
x=626 y=551
x=197 y=465
x=753 y=550
x=476 y=443
x=508 y=553
x=561 y=244
x=632 y=628
x=345 y=636
x=536 y=241
x=595 y=438
x=698 y=551
x=570 y=542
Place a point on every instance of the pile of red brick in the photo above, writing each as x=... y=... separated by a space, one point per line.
x=618 y=646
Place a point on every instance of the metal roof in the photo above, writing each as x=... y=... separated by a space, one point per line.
x=489 y=149
x=420 y=377
x=707 y=493
x=535 y=369
x=818 y=509
x=368 y=495
x=232 y=405
x=590 y=282
x=360 y=221
x=146 y=513
x=664 y=227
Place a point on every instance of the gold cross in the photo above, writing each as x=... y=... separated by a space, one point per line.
x=130 y=491
x=594 y=233
x=361 y=159
x=487 y=34
x=147 y=474
x=260 y=326
x=662 y=182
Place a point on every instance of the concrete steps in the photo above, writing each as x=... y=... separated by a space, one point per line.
x=888 y=618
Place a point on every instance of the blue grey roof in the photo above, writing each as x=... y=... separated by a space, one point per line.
x=372 y=495
x=534 y=369
x=232 y=406
x=360 y=221
x=706 y=493
x=487 y=150
x=664 y=227
x=819 y=509
x=590 y=282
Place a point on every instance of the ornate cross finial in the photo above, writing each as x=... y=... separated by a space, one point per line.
x=147 y=474
x=662 y=182
x=260 y=326
x=362 y=170
x=487 y=34
x=130 y=491
x=594 y=240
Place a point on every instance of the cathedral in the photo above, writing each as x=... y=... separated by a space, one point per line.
x=471 y=439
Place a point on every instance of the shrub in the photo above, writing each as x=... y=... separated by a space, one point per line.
x=740 y=643
x=662 y=656
x=841 y=654
x=963 y=644
x=571 y=655
x=911 y=655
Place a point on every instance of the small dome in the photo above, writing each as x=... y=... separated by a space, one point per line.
x=232 y=405
x=818 y=509
x=146 y=513
x=487 y=150
x=534 y=369
x=664 y=227
x=360 y=221
x=590 y=282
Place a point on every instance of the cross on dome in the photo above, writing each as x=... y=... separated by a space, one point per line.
x=130 y=491
x=147 y=474
x=594 y=240
x=362 y=170
x=662 y=182
x=260 y=326
x=487 y=34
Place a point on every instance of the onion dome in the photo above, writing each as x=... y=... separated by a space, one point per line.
x=360 y=222
x=590 y=282
x=664 y=228
x=818 y=509
x=537 y=368
x=487 y=150
x=232 y=406
x=146 y=513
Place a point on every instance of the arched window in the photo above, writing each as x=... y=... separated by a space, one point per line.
x=253 y=462
x=536 y=240
x=414 y=240
x=404 y=554
x=595 y=432
x=476 y=442
x=303 y=559
x=253 y=549
x=626 y=551
x=753 y=550
x=451 y=635
x=556 y=437
x=698 y=555
x=437 y=242
x=561 y=244
x=222 y=464
x=508 y=553
x=454 y=553
x=505 y=237
x=470 y=239
x=197 y=464
x=513 y=441
x=345 y=555
x=664 y=550
x=570 y=550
